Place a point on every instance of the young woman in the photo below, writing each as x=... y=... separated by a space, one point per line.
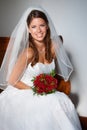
x=34 y=49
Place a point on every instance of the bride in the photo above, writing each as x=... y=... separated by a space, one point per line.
x=34 y=48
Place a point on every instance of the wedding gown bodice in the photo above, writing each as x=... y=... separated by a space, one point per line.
x=35 y=70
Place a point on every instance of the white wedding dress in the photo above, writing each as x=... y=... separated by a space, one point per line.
x=22 y=110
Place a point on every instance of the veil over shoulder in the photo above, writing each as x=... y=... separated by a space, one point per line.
x=18 y=45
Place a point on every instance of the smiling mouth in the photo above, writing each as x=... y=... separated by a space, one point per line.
x=39 y=36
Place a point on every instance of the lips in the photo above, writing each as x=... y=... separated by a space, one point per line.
x=39 y=35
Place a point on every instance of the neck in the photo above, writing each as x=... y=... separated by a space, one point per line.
x=40 y=46
x=42 y=50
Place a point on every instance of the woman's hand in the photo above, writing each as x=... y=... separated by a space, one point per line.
x=21 y=85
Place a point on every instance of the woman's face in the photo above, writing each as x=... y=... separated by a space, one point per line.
x=38 y=29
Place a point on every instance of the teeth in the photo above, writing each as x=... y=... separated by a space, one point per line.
x=39 y=35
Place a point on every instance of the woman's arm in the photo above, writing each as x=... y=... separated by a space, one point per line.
x=19 y=68
x=21 y=85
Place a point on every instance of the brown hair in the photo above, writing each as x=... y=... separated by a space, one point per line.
x=47 y=40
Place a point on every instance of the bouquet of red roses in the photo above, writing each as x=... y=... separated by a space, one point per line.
x=45 y=83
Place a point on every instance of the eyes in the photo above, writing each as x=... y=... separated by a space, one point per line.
x=35 y=26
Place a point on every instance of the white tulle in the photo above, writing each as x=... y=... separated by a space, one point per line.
x=22 y=110
x=18 y=44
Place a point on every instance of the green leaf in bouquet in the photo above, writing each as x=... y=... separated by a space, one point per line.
x=53 y=73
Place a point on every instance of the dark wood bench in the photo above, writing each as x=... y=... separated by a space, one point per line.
x=3 y=45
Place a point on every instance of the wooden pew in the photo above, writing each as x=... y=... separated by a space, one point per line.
x=3 y=45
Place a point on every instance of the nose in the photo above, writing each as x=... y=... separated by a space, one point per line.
x=38 y=29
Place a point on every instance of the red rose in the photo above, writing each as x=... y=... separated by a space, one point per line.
x=44 y=84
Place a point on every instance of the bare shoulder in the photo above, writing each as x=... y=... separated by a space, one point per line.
x=28 y=52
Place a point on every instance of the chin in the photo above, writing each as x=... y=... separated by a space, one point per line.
x=40 y=39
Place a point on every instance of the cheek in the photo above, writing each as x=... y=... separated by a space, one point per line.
x=32 y=32
x=45 y=30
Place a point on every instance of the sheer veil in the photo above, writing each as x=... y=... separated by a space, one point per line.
x=19 y=43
